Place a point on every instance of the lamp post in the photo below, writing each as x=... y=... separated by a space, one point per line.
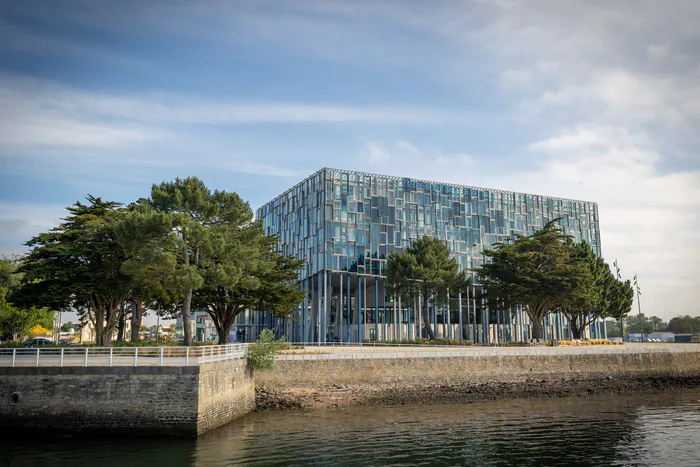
x=622 y=323
x=639 y=308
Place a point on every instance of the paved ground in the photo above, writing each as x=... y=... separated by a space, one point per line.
x=151 y=356
x=76 y=357
x=369 y=351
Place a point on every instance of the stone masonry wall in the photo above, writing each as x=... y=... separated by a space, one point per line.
x=226 y=392
x=476 y=369
x=177 y=401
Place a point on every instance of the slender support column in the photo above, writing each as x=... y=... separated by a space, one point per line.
x=435 y=323
x=384 y=307
x=486 y=326
x=419 y=318
x=393 y=319
x=476 y=333
x=499 y=333
x=304 y=313
x=365 y=301
x=521 y=319
x=459 y=310
x=349 y=309
x=320 y=307
x=510 y=324
x=376 y=308
x=359 y=309
x=408 y=324
x=340 y=310
x=449 y=321
x=469 y=325
x=326 y=302
x=397 y=319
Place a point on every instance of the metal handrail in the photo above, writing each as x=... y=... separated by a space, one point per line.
x=121 y=356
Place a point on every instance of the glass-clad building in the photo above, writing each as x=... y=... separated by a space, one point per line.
x=344 y=224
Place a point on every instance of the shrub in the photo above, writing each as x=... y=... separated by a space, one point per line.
x=261 y=355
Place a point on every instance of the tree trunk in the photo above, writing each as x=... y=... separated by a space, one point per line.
x=187 y=302
x=136 y=315
x=224 y=322
x=120 y=328
x=186 y=316
x=537 y=329
x=426 y=320
x=576 y=331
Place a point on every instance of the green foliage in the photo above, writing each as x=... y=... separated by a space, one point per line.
x=78 y=265
x=684 y=325
x=597 y=293
x=16 y=322
x=439 y=341
x=261 y=355
x=423 y=270
x=535 y=272
x=248 y=272
x=202 y=224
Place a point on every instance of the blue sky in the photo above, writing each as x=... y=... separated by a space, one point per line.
x=596 y=100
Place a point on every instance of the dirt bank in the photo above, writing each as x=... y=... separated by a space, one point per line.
x=346 y=395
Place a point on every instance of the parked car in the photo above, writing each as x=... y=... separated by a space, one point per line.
x=38 y=342
x=64 y=341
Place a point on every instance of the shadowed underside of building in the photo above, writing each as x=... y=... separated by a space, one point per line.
x=344 y=224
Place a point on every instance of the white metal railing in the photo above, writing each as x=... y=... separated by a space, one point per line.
x=121 y=356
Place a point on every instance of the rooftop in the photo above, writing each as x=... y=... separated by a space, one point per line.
x=432 y=182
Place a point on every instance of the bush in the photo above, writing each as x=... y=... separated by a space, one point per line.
x=261 y=355
x=421 y=341
x=10 y=344
x=589 y=342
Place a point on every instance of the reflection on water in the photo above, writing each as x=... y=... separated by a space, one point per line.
x=641 y=429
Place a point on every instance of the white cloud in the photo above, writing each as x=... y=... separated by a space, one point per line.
x=516 y=78
x=40 y=113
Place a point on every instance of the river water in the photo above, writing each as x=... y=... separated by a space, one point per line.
x=655 y=429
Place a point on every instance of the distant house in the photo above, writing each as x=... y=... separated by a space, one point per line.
x=662 y=336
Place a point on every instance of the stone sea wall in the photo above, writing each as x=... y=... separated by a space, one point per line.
x=381 y=379
x=169 y=400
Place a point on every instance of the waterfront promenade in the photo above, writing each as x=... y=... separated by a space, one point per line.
x=370 y=351
x=120 y=356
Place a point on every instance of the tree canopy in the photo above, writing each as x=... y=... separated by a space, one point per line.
x=597 y=294
x=78 y=265
x=534 y=272
x=546 y=272
x=425 y=271
x=184 y=246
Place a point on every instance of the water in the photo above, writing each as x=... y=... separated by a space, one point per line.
x=655 y=429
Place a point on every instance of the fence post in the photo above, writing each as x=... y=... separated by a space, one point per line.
x=136 y=356
x=37 y=356
x=14 y=355
x=111 y=352
x=161 y=356
x=86 y=356
x=187 y=356
x=62 y=349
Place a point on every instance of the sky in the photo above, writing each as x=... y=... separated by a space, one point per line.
x=596 y=100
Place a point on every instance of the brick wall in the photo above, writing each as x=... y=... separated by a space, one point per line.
x=179 y=401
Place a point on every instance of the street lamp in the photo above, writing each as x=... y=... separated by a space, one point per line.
x=639 y=307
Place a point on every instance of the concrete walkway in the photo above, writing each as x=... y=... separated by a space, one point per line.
x=370 y=351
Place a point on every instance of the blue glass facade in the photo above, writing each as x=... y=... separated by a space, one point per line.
x=344 y=224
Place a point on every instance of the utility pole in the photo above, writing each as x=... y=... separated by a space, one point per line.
x=622 y=323
x=639 y=307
